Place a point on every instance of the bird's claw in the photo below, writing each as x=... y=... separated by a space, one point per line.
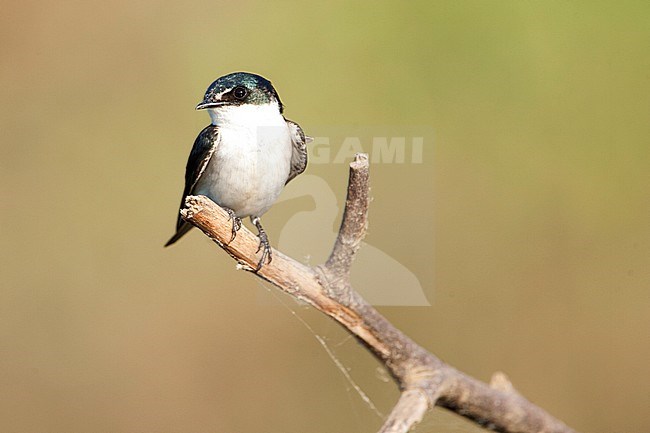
x=236 y=223
x=264 y=246
x=266 y=254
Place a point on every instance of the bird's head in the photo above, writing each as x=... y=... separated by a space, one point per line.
x=240 y=89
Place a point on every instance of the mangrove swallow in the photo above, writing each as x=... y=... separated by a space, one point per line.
x=243 y=159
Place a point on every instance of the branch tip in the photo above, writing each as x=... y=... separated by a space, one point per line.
x=360 y=161
x=193 y=205
x=354 y=222
x=500 y=382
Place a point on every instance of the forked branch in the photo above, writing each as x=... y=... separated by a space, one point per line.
x=425 y=381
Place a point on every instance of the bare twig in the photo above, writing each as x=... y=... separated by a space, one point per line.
x=408 y=411
x=425 y=380
x=355 y=219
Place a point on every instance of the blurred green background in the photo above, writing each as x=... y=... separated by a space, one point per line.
x=527 y=222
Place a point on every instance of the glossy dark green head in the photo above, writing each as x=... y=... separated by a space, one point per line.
x=239 y=88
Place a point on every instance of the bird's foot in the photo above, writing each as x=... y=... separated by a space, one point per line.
x=264 y=246
x=236 y=223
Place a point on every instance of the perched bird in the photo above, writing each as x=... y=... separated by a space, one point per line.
x=243 y=159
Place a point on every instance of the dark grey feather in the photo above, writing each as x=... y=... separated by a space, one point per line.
x=299 y=149
x=203 y=149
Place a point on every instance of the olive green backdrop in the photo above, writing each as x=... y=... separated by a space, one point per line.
x=527 y=222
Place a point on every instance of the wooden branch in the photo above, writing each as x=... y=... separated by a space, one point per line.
x=424 y=379
x=408 y=411
x=355 y=218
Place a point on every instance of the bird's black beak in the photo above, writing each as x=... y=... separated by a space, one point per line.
x=207 y=104
x=211 y=100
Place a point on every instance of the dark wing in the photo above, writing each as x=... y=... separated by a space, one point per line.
x=203 y=149
x=299 y=151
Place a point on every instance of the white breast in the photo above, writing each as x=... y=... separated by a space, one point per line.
x=252 y=160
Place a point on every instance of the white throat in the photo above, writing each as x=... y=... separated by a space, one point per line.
x=253 y=158
x=247 y=115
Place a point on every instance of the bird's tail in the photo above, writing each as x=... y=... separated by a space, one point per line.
x=184 y=228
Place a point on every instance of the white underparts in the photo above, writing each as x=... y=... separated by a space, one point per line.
x=252 y=158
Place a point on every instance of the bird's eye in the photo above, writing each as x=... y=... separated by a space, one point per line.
x=240 y=92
